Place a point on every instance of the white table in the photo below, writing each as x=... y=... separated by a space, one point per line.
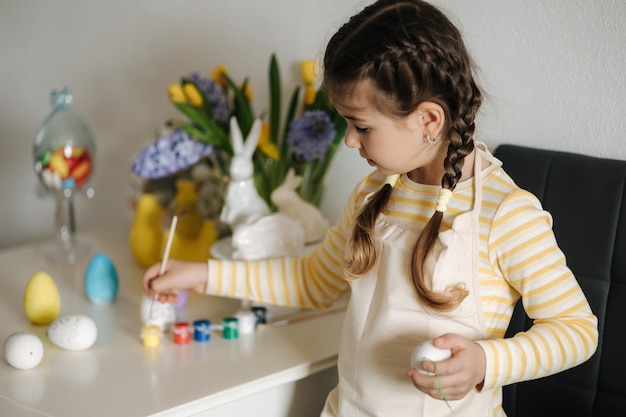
x=280 y=370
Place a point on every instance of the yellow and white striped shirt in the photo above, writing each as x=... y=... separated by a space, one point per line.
x=518 y=256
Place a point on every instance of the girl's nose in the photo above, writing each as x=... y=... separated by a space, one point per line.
x=352 y=141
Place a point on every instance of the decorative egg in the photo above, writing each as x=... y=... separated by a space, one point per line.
x=163 y=315
x=23 y=350
x=42 y=301
x=67 y=164
x=101 y=280
x=426 y=351
x=76 y=332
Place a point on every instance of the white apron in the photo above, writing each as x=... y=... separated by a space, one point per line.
x=385 y=321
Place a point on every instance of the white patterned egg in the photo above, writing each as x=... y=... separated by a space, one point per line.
x=76 y=332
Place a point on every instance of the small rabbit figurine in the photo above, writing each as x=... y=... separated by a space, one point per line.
x=242 y=202
x=289 y=202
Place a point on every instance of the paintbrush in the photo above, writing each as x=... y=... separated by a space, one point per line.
x=166 y=255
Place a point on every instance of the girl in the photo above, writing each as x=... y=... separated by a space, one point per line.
x=437 y=243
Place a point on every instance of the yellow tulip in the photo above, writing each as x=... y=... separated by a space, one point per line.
x=193 y=95
x=265 y=145
x=247 y=91
x=309 y=95
x=308 y=70
x=270 y=150
x=176 y=93
x=219 y=75
x=264 y=136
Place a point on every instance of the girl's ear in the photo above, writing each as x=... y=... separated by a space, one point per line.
x=431 y=118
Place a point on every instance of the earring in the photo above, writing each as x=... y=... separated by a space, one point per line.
x=429 y=140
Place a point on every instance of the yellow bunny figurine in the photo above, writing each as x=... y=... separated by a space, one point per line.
x=145 y=233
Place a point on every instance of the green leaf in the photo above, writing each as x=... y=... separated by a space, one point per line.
x=321 y=102
x=261 y=179
x=291 y=114
x=275 y=99
x=243 y=108
x=209 y=127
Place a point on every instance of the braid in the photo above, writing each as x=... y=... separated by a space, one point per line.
x=411 y=53
x=363 y=256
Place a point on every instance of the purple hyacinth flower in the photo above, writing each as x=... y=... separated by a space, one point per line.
x=169 y=154
x=214 y=95
x=310 y=135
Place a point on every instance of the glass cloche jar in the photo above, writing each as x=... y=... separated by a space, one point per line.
x=63 y=152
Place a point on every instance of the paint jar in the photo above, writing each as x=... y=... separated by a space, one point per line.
x=202 y=330
x=182 y=333
x=261 y=314
x=151 y=335
x=231 y=327
x=246 y=322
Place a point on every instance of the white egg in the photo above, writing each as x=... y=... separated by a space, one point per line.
x=23 y=350
x=155 y=313
x=426 y=351
x=75 y=332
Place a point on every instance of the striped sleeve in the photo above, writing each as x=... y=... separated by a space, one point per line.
x=312 y=281
x=524 y=250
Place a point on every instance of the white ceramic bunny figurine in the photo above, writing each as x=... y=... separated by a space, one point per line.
x=289 y=202
x=270 y=236
x=242 y=202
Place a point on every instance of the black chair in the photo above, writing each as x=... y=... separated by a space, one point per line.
x=587 y=199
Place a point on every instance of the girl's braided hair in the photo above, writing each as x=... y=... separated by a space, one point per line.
x=411 y=52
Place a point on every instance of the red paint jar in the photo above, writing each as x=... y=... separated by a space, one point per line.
x=182 y=334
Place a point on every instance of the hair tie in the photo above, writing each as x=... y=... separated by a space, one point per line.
x=442 y=200
x=392 y=179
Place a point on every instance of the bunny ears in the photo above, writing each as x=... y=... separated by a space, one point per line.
x=240 y=147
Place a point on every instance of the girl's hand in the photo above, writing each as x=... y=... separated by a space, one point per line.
x=178 y=275
x=455 y=377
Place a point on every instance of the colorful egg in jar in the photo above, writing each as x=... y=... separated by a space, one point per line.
x=64 y=147
x=65 y=167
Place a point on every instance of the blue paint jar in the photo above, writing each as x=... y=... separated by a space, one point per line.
x=201 y=330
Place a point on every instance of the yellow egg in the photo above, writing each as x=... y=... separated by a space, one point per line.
x=42 y=301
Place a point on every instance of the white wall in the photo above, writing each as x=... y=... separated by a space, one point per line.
x=553 y=71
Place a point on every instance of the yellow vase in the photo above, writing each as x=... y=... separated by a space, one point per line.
x=146 y=235
x=193 y=236
x=186 y=200
x=196 y=249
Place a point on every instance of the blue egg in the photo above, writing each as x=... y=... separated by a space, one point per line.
x=101 y=281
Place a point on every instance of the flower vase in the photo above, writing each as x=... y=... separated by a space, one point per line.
x=192 y=238
x=146 y=235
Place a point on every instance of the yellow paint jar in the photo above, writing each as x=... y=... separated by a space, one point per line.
x=151 y=335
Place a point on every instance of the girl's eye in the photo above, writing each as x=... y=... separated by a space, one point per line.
x=360 y=130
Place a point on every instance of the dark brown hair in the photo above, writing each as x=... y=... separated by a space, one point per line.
x=411 y=53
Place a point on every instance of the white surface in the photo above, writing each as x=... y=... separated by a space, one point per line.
x=118 y=376
x=553 y=71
